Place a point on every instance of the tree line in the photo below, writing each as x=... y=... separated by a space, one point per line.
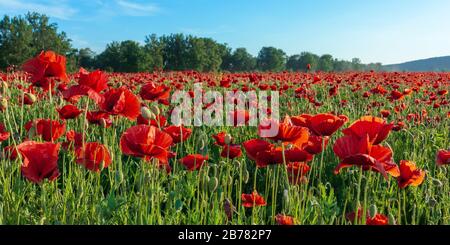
x=22 y=37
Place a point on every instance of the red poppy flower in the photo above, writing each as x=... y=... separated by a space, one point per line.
x=220 y=139
x=231 y=151
x=48 y=129
x=360 y=152
x=193 y=161
x=255 y=147
x=301 y=120
x=46 y=65
x=152 y=92
x=287 y=132
x=297 y=172
x=10 y=152
x=396 y=95
x=40 y=160
x=4 y=135
x=399 y=126
x=92 y=155
x=409 y=174
x=252 y=200
x=147 y=142
x=73 y=139
x=90 y=84
x=351 y=216
x=96 y=80
x=159 y=121
x=326 y=124
x=264 y=153
x=99 y=118
x=68 y=112
x=121 y=102
x=315 y=144
x=377 y=129
x=385 y=113
x=178 y=133
x=443 y=157
x=378 y=219
x=284 y=219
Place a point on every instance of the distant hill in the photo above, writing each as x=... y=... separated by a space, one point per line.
x=431 y=64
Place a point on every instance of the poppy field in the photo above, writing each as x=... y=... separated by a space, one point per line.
x=100 y=148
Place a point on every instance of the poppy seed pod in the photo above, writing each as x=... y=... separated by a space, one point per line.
x=392 y=219
x=146 y=113
x=228 y=139
x=213 y=184
x=373 y=210
x=155 y=109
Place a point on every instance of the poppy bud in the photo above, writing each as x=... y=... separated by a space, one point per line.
x=228 y=139
x=155 y=109
x=213 y=183
x=3 y=104
x=437 y=183
x=392 y=219
x=146 y=113
x=103 y=123
x=31 y=96
x=286 y=196
x=229 y=209
x=205 y=180
x=237 y=163
x=202 y=144
x=119 y=177
x=32 y=131
x=4 y=86
x=246 y=176
x=373 y=210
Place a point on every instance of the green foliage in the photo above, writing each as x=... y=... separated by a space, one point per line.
x=126 y=56
x=22 y=37
x=271 y=59
x=299 y=62
x=241 y=60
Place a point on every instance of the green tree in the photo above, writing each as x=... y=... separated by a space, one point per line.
x=126 y=56
x=326 y=63
x=293 y=63
x=271 y=59
x=24 y=37
x=308 y=58
x=241 y=60
x=154 y=48
x=85 y=58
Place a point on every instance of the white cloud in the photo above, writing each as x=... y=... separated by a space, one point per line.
x=137 y=9
x=53 y=9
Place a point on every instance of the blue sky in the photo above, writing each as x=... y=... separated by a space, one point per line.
x=384 y=31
